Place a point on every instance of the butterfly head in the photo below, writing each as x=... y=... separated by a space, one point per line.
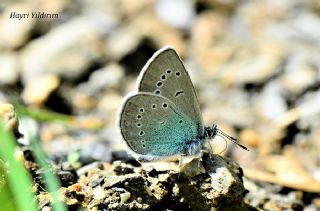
x=211 y=132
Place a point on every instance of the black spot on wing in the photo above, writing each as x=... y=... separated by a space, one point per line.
x=179 y=93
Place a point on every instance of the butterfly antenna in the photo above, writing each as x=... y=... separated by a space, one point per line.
x=220 y=133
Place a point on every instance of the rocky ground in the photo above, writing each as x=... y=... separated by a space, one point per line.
x=256 y=69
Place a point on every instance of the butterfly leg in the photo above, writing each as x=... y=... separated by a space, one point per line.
x=180 y=165
x=180 y=162
x=148 y=158
x=211 y=150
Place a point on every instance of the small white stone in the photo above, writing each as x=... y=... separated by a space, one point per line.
x=99 y=193
x=125 y=196
x=271 y=102
x=9 y=68
x=178 y=13
x=38 y=89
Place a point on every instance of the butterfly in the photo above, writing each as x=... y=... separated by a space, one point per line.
x=163 y=118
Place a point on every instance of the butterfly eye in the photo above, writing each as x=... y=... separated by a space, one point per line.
x=141 y=133
x=139 y=124
x=164 y=105
x=168 y=71
x=159 y=84
x=141 y=110
x=143 y=145
x=180 y=121
x=139 y=116
x=163 y=77
x=154 y=106
x=177 y=74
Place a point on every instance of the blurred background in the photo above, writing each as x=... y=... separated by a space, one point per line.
x=255 y=66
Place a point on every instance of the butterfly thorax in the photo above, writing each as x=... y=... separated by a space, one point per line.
x=193 y=147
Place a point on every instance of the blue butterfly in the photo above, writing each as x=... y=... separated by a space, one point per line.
x=163 y=118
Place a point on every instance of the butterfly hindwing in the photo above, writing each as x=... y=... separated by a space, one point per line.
x=152 y=125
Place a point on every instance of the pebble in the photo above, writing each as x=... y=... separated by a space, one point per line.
x=122 y=41
x=253 y=65
x=84 y=169
x=102 y=79
x=109 y=105
x=103 y=15
x=90 y=147
x=125 y=197
x=78 y=48
x=299 y=74
x=250 y=138
x=14 y=32
x=9 y=67
x=9 y=117
x=208 y=28
x=270 y=104
x=99 y=193
x=38 y=89
x=179 y=13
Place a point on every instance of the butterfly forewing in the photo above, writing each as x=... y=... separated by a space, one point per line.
x=153 y=125
x=165 y=75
